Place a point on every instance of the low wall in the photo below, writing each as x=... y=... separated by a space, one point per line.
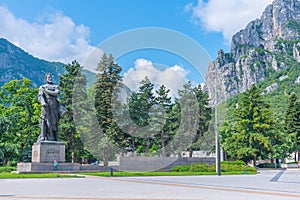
x=61 y=167
x=158 y=163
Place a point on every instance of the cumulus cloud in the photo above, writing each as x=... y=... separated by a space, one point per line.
x=227 y=17
x=172 y=77
x=57 y=38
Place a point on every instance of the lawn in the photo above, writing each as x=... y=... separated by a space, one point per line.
x=6 y=175
x=124 y=174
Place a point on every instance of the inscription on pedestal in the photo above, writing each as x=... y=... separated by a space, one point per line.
x=48 y=151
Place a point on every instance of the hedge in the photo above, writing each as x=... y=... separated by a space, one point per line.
x=226 y=166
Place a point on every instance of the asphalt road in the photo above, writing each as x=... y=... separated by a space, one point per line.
x=268 y=185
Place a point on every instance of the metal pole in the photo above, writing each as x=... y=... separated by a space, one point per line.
x=218 y=157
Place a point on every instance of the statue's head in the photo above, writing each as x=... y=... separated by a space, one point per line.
x=49 y=78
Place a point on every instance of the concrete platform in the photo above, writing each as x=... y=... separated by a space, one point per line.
x=62 y=167
x=47 y=167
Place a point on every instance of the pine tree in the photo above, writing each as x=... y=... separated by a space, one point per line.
x=69 y=82
x=292 y=122
x=204 y=116
x=248 y=135
x=164 y=102
x=106 y=89
x=189 y=121
x=140 y=104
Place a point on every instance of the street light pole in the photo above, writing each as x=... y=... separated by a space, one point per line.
x=218 y=156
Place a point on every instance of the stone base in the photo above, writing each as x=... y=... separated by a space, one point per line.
x=48 y=151
x=47 y=167
x=61 y=167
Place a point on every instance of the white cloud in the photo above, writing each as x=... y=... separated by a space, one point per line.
x=172 y=77
x=227 y=17
x=57 y=39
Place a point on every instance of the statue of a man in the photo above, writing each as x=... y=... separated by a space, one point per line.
x=52 y=110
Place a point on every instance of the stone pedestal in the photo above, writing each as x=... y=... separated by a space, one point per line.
x=48 y=151
x=43 y=155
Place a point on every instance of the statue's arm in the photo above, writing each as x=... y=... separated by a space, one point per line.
x=41 y=98
x=54 y=92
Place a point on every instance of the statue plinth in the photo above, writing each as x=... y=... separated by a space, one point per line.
x=48 y=151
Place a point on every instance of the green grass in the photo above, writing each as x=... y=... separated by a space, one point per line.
x=127 y=174
x=7 y=175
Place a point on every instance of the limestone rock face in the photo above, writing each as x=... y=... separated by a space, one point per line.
x=256 y=51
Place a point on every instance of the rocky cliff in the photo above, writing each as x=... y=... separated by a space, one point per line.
x=266 y=45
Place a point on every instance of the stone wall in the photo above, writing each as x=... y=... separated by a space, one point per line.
x=158 y=163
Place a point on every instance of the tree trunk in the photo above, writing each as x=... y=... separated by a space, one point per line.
x=105 y=158
x=73 y=149
x=133 y=147
x=163 y=143
x=4 y=161
x=191 y=152
x=196 y=138
x=147 y=146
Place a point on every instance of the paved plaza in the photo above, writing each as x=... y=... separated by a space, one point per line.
x=267 y=185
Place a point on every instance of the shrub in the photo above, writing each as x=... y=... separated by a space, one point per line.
x=267 y=165
x=226 y=166
x=7 y=169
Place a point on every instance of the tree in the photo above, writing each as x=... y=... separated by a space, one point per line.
x=140 y=105
x=69 y=82
x=164 y=102
x=292 y=122
x=189 y=120
x=106 y=90
x=19 y=120
x=204 y=115
x=247 y=135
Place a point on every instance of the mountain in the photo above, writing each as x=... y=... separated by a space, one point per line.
x=15 y=63
x=267 y=50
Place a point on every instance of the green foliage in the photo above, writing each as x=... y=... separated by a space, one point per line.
x=164 y=102
x=268 y=165
x=204 y=118
x=6 y=175
x=295 y=25
x=247 y=135
x=19 y=120
x=292 y=122
x=73 y=91
x=106 y=89
x=226 y=166
x=7 y=169
x=172 y=173
x=229 y=57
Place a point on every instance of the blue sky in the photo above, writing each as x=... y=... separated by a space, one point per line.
x=66 y=30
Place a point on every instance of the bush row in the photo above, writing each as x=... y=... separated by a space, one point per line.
x=7 y=169
x=226 y=166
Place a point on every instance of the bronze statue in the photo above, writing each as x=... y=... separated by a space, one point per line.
x=52 y=110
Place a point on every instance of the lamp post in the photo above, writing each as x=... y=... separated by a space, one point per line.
x=217 y=142
x=218 y=156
